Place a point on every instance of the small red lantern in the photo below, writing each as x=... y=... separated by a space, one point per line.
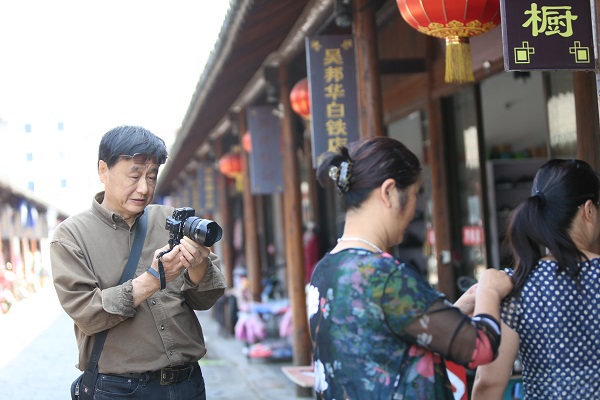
x=247 y=142
x=300 y=99
x=456 y=21
x=230 y=165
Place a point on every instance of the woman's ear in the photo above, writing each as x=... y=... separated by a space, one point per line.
x=589 y=212
x=386 y=191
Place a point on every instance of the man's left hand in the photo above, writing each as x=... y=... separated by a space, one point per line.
x=195 y=258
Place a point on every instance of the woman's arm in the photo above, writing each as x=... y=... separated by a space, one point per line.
x=414 y=313
x=491 y=379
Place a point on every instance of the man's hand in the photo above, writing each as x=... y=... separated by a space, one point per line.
x=195 y=258
x=171 y=262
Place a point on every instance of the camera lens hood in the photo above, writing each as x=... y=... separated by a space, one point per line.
x=202 y=231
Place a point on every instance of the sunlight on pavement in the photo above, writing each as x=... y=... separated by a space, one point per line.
x=25 y=321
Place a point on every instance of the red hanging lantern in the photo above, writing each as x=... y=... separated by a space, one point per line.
x=247 y=142
x=230 y=165
x=456 y=21
x=300 y=99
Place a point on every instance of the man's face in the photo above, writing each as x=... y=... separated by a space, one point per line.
x=129 y=185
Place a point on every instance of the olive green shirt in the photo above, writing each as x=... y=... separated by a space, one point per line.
x=88 y=255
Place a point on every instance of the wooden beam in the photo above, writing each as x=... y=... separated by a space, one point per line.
x=225 y=220
x=402 y=66
x=367 y=70
x=586 y=115
x=250 y=236
x=293 y=229
x=439 y=188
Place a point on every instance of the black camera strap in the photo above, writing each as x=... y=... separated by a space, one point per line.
x=88 y=383
x=161 y=272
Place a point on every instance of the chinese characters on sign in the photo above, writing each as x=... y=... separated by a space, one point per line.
x=472 y=235
x=265 y=159
x=333 y=100
x=547 y=35
x=207 y=175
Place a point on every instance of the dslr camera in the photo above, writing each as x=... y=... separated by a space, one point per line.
x=184 y=223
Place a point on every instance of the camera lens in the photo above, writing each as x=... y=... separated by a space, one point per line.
x=202 y=231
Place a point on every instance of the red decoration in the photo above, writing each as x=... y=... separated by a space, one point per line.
x=300 y=100
x=230 y=165
x=456 y=21
x=247 y=142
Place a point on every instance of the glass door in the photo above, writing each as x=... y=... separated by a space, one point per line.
x=466 y=182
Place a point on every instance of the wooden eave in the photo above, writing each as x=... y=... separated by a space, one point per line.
x=252 y=31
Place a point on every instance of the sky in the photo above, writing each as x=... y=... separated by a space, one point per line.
x=105 y=62
x=97 y=64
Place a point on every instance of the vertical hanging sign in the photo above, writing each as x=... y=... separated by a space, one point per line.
x=333 y=97
x=547 y=35
x=266 y=175
x=207 y=188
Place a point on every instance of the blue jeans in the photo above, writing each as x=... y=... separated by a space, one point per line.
x=110 y=387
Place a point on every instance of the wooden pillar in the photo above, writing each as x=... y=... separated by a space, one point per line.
x=293 y=230
x=226 y=222
x=250 y=235
x=586 y=114
x=439 y=187
x=195 y=187
x=367 y=70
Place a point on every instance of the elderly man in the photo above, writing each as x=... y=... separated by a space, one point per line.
x=154 y=339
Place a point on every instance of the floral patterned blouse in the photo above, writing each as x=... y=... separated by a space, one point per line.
x=378 y=330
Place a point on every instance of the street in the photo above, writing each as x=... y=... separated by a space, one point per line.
x=38 y=349
x=39 y=352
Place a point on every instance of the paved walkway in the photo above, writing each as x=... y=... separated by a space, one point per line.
x=38 y=349
x=38 y=353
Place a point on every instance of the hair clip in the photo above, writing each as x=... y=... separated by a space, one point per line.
x=334 y=173
x=345 y=174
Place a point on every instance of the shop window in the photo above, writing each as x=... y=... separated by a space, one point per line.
x=515 y=138
x=415 y=249
x=560 y=104
x=465 y=176
x=514 y=116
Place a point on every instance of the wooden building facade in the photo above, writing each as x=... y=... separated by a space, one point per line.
x=480 y=143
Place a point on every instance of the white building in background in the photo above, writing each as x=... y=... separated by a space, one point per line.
x=51 y=159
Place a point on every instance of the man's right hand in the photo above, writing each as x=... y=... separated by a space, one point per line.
x=171 y=262
x=146 y=284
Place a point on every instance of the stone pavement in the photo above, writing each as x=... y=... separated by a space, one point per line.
x=38 y=353
x=230 y=375
x=38 y=349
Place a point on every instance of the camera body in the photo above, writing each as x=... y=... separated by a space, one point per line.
x=185 y=223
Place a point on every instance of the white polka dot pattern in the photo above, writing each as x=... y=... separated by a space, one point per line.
x=558 y=321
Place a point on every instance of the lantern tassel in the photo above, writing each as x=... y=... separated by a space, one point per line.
x=459 y=67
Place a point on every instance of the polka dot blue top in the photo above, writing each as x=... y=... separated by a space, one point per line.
x=558 y=321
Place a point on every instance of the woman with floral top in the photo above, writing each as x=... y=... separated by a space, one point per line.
x=378 y=330
x=552 y=317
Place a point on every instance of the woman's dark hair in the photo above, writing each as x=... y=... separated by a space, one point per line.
x=543 y=220
x=365 y=164
x=130 y=140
